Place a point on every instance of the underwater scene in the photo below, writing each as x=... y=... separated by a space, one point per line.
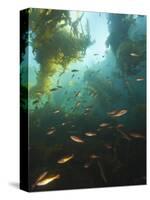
x=83 y=88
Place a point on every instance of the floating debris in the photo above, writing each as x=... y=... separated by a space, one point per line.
x=47 y=180
x=90 y=134
x=65 y=159
x=76 y=139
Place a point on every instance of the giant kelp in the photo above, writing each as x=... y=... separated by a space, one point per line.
x=119 y=25
x=128 y=63
x=123 y=46
x=55 y=43
x=106 y=93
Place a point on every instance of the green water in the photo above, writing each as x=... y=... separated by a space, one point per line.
x=81 y=67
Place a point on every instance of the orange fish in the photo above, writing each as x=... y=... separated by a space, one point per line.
x=118 y=113
x=137 y=135
x=94 y=156
x=76 y=139
x=47 y=180
x=40 y=178
x=90 y=134
x=65 y=159
x=103 y=125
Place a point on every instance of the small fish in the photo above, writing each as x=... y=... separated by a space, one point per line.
x=64 y=123
x=134 y=54
x=94 y=156
x=36 y=101
x=124 y=135
x=95 y=54
x=47 y=180
x=65 y=159
x=90 y=134
x=40 y=178
x=103 y=125
x=87 y=165
x=87 y=109
x=78 y=104
x=73 y=75
x=136 y=135
x=56 y=112
x=59 y=86
x=51 y=132
x=140 y=79
x=77 y=94
x=74 y=70
x=38 y=94
x=53 y=89
x=76 y=139
x=118 y=113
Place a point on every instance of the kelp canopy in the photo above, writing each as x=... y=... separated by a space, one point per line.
x=56 y=42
